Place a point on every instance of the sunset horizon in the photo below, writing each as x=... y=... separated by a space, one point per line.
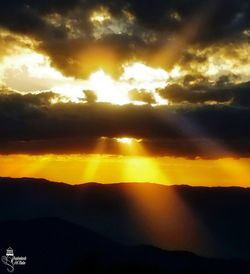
x=125 y=136
x=80 y=169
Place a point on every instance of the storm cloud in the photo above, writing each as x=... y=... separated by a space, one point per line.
x=136 y=29
x=238 y=95
x=31 y=124
x=204 y=119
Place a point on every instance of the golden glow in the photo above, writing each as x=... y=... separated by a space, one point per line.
x=37 y=64
x=124 y=140
x=154 y=212
x=112 y=169
x=176 y=72
x=135 y=76
x=163 y=217
x=143 y=77
x=36 y=73
x=229 y=59
x=100 y=15
x=107 y=89
x=142 y=74
x=24 y=69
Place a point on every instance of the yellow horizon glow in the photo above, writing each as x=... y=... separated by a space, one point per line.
x=108 y=169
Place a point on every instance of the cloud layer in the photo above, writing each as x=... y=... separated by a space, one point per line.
x=206 y=118
x=157 y=32
x=31 y=124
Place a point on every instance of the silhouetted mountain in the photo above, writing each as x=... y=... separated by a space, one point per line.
x=53 y=246
x=207 y=221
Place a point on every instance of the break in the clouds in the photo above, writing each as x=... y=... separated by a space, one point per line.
x=80 y=36
x=176 y=73
x=31 y=124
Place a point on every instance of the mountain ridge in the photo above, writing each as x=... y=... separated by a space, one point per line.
x=195 y=219
x=32 y=180
x=55 y=246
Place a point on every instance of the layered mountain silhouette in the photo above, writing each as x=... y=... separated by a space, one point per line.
x=98 y=228
x=54 y=246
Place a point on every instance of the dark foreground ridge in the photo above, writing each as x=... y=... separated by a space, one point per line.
x=54 y=246
x=222 y=214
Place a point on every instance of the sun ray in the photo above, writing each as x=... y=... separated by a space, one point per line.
x=159 y=215
x=94 y=161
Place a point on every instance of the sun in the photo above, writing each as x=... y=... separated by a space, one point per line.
x=134 y=76
x=107 y=89
x=127 y=140
x=124 y=140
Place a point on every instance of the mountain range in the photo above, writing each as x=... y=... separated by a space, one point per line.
x=125 y=228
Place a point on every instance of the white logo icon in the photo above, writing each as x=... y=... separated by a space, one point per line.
x=10 y=260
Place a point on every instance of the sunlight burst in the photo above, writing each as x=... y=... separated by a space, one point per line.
x=124 y=140
x=100 y=15
x=107 y=89
x=40 y=76
x=127 y=140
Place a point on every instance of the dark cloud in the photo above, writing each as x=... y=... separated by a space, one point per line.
x=31 y=124
x=160 y=29
x=70 y=42
x=142 y=96
x=90 y=96
x=221 y=92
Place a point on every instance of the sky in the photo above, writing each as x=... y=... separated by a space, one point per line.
x=125 y=91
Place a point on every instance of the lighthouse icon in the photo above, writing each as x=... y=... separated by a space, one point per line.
x=9 y=252
x=11 y=261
